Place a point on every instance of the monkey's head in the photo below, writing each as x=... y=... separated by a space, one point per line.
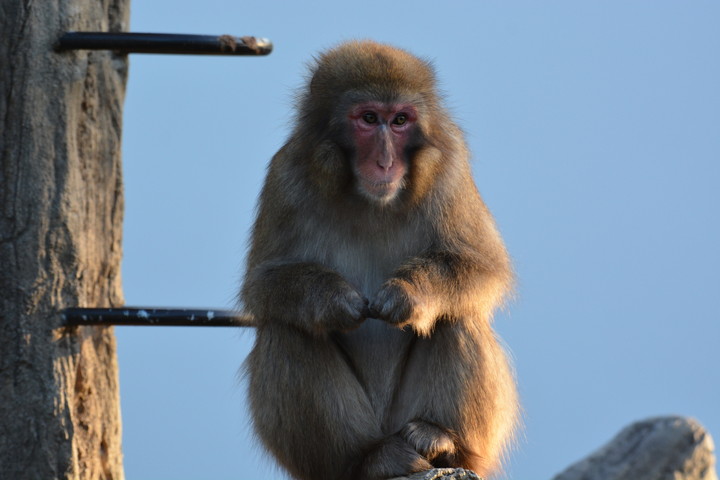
x=372 y=112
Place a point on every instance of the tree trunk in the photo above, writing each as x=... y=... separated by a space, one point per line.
x=61 y=208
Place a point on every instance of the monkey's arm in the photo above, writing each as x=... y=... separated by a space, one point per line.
x=305 y=295
x=442 y=284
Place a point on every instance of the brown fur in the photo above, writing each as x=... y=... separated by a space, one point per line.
x=374 y=354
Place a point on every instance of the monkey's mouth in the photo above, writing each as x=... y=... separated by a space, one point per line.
x=382 y=191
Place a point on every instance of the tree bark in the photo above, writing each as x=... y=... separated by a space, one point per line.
x=61 y=208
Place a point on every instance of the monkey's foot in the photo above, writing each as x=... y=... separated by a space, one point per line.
x=444 y=474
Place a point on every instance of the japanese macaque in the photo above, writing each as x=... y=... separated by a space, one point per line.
x=373 y=273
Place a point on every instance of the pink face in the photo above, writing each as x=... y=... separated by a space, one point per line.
x=380 y=132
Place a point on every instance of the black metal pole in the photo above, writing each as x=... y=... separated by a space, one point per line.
x=158 y=317
x=124 y=42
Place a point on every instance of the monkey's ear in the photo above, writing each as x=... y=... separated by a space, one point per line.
x=313 y=80
x=313 y=85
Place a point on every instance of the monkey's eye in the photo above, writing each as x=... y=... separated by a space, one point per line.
x=370 y=117
x=400 y=119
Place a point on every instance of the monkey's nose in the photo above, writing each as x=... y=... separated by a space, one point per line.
x=385 y=162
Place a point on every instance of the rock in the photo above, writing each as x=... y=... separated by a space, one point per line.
x=663 y=448
x=443 y=474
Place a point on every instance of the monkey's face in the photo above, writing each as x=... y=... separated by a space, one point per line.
x=381 y=134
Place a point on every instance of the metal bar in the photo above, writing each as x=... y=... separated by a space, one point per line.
x=157 y=317
x=124 y=42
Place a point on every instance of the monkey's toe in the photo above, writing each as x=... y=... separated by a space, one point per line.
x=391 y=458
x=431 y=441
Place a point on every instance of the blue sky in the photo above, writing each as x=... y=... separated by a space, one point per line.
x=595 y=132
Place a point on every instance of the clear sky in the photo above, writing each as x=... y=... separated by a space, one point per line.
x=595 y=132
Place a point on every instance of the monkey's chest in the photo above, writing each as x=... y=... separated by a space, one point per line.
x=377 y=354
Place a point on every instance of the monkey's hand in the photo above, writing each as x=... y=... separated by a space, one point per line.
x=305 y=295
x=400 y=303
x=333 y=305
x=434 y=443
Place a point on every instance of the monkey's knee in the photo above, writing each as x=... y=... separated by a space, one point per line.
x=436 y=444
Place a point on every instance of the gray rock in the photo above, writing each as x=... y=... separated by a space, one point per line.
x=444 y=474
x=663 y=448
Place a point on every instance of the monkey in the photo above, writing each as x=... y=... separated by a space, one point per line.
x=373 y=272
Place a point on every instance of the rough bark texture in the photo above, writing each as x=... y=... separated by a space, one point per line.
x=665 y=448
x=60 y=240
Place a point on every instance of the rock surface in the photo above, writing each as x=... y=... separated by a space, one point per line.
x=444 y=474
x=663 y=448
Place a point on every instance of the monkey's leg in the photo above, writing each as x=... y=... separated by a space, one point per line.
x=458 y=381
x=312 y=413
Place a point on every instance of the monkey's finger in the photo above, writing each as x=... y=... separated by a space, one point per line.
x=392 y=304
x=351 y=310
x=366 y=311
